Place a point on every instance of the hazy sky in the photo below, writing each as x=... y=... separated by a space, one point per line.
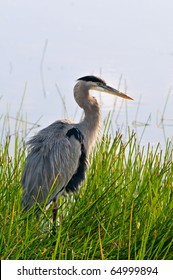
x=132 y=39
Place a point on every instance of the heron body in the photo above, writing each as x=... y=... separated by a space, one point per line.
x=58 y=154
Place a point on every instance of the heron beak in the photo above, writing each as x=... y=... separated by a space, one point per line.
x=113 y=91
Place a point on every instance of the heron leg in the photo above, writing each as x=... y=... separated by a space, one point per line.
x=54 y=214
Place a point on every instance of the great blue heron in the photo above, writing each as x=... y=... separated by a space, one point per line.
x=58 y=153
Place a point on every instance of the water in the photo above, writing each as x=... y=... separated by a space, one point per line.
x=128 y=43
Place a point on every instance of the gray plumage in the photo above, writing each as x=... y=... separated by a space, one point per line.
x=58 y=154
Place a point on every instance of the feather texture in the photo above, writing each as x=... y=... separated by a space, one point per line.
x=52 y=154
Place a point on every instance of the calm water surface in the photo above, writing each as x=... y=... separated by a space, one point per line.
x=49 y=44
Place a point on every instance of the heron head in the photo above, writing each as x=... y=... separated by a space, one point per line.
x=95 y=83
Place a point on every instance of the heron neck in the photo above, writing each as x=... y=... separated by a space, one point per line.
x=90 y=125
x=92 y=113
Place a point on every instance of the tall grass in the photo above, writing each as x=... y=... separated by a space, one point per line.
x=124 y=209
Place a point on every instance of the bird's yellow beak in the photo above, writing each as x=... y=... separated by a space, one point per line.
x=113 y=91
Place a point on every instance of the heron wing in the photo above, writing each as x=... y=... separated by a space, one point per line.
x=53 y=162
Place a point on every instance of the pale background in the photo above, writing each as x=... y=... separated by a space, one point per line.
x=127 y=40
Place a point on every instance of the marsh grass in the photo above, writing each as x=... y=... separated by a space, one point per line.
x=124 y=209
